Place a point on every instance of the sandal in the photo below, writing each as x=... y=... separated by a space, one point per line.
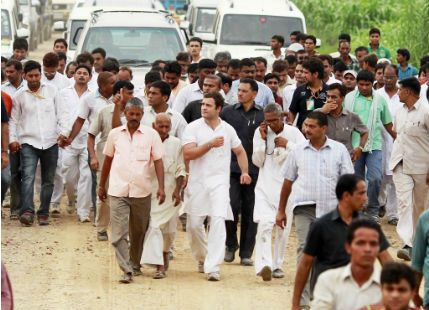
x=159 y=274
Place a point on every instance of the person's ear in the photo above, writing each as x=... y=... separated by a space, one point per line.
x=153 y=125
x=347 y=247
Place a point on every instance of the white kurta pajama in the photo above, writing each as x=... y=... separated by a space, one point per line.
x=163 y=218
x=270 y=159
x=207 y=192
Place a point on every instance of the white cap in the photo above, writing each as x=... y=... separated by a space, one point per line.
x=352 y=72
x=295 y=47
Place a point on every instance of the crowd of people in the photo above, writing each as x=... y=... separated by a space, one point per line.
x=332 y=142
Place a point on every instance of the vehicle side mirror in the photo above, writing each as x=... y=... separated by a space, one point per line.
x=60 y=26
x=23 y=33
x=208 y=37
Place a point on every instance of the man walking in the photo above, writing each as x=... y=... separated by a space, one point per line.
x=207 y=144
x=129 y=152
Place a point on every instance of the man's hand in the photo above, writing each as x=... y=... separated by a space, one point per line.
x=176 y=197
x=160 y=194
x=63 y=141
x=217 y=142
x=263 y=130
x=94 y=164
x=357 y=152
x=4 y=160
x=328 y=107
x=14 y=147
x=119 y=98
x=102 y=193
x=281 y=219
x=280 y=142
x=245 y=178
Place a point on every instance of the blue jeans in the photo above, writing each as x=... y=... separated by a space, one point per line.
x=15 y=182
x=5 y=182
x=374 y=176
x=48 y=163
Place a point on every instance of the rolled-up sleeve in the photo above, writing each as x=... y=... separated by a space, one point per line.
x=290 y=167
x=109 y=148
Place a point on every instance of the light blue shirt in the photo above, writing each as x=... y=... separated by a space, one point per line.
x=9 y=89
x=420 y=257
x=315 y=174
x=408 y=72
x=264 y=96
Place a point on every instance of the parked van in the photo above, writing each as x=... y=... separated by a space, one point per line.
x=245 y=27
x=10 y=30
x=201 y=15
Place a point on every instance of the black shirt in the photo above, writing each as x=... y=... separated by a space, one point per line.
x=192 y=111
x=245 y=124
x=326 y=239
x=4 y=116
x=301 y=101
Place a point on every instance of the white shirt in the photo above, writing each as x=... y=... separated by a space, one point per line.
x=393 y=104
x=91 y=104
x=269 y=159
x=92 y=84
x=315 y=174
x=178 y=122
x=287 y=96
x=264 y=96
x=9 y=89
x=72 y=103
x=60 y=81
x=175 y=91
x=423 y=91
x=271 y=58
x=213 y=168
x=333 y=80
x=187 y=94
x=36 y=116
x=231 y=97
x=337 y=290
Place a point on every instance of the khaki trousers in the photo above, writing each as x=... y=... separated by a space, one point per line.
x=102 y=218
x=129 y=215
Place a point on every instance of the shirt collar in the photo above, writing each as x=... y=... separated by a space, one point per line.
x=168 y=111
x=124 y=127
x=327 y=144
x=98 y=94
x=336 y=214
x=359 y=94
x=255 y=106
x=415 y=106
x=375 y=277
x=196 y=87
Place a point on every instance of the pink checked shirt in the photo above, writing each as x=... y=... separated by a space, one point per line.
x=130 y=172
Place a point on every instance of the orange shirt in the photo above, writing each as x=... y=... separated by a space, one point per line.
x=7 y=100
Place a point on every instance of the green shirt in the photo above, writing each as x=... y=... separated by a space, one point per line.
x=381 y=52
x=362 y=107
x=420 y=257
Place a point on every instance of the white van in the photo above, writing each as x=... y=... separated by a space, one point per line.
x=245 y=27
x=135 y=37
x=201 y=15
x=10 y=21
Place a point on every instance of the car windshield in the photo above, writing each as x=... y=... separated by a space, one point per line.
x=259 y=29
x=205 y=19
x=135 y=46
x=5 y=25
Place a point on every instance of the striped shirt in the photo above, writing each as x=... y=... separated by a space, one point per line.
x=264 y=96
x=315 y=174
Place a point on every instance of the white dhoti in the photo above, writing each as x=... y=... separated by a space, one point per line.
x=77 y=176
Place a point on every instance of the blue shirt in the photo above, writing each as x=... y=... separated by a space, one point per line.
x=408 y=72
x=420 y=256
x=264 y=96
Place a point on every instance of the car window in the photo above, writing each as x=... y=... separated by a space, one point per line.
x=6 y=32
x=205 y=19
x=75 y=32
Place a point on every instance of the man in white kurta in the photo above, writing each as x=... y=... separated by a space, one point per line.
x=271 y=146
x=163 y=218
x=75 y=168
x=207 y=143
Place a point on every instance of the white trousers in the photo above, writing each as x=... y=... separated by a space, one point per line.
x=388 y=198
x=57 y=194
x=158 y=240
x=263 y=251
x=77 y=175
x=412 y=192
x=208 y=248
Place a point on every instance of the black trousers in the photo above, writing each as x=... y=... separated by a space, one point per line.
x=242 y=201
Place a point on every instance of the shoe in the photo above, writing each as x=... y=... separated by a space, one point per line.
x=376 y=219
x=14 y=216
x=26 y=219
x=214 y=276
x=159 y=275
x=201 y=267
x=170 y=255
x=43 y=220
x=404 y=253
x=126 y=278
x=382 y=211
x=55 y=209
x=278 y=273
x=229 y=254
x=70 y=207
x=84 y=219
x=246 y=262
x=102 y=236
x=137 y=272
x=265 y=273
x=393 y=222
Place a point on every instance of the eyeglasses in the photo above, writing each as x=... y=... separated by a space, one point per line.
x=271 y=121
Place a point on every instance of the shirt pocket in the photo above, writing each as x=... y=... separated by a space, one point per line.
x=416 y=130
x=143 y=154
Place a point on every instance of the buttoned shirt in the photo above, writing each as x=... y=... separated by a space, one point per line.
x=245 y=124
x=72 y=103
x=411 y=145
x=130 y=174
x=423 y=92
x=92 y=84
x=352 y=65
x=91 y=104
x=178 y=123
x=408 y=72
x=187 y=94
x=36 y=116
x=9 y=89
x=315 y=174
x=336 y=289
x=381 y=52
x=271 y=58
x=341 y=127
x=192 y=111
x=60 y=81
x=287 y=96
x=264 y=96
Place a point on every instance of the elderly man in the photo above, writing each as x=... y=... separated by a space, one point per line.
x=163 y=217
x=129 y=152
x=271 y=146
